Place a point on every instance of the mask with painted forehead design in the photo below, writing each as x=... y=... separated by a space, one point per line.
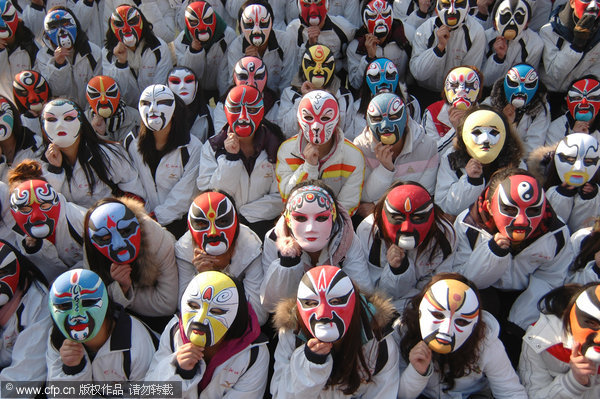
x=7 y=119
x=103 y=95
x=60 y=28
x=408 y=215
x=126 y=23
x=62 y=122
x=256 y=24
x=583 y=8
x=156 y=106
x=386 y=118
x=484 y=135
x=520 y=85
x=318 y=65
x=250 y=71
x=182 y=81
x=377 y=17
x=462 y=87
x=213 y=222
x=382 y=76
x=201 y=20
x=518 y=207
x=244 y=110
x=318 y=116
x=9 y=20
x=115 y=231
x=325 y=301
x=583 y=99
x=511 y=18
x=31 y=90
x=448 y=313
x=309 y=214
x=35 y=207
x=452 y=13
x=10 y=270
x=209 y=307
x=585 y=322
x=313 y=12
x=576 y=158
x=78 y=304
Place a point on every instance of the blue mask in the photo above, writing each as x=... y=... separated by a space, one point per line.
x=520 y=85
x=60 y=28
x=386 y=117
x=382 y=76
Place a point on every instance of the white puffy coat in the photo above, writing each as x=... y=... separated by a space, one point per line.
x=591 y=272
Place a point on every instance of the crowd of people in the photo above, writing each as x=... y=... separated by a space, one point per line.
x=302 y=198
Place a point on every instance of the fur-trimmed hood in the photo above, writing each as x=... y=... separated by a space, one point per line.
x=498 y=100
x=381 y=307
x=541 y=161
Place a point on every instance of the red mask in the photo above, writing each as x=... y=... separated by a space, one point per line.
x=586 y=7
x=36 y=208
x=407 y=215
x=213 y=222
x=9 y=20
x=318 y=116
x=313 y=12
x=244 y=110
x=31 y=91
x=10 y=269
x=201 y=20
x=250 y=71
x=103 y=95
x=325 y=301
x=518 y=207
x=583 y=99
x=377 y=17
x=126 y=24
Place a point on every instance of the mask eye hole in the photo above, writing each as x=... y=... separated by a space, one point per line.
x=88 y=303
x=200 y=224
x=533 y=211
x=509 y=210
x=590 y=161
x=235 y=109
x=566 y=159
x=462 y=322
x=25 y=210
x=309 y=303
x=208 y=20
x=193 y=305
x=300 y=218
x=438 y=315
x=531 y=85
x=322 y=218
x=63 y=307
x=165 y=102
x=46 y=206
x=218 y=311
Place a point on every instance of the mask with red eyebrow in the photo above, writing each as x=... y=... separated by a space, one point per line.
x=182 y=82
x=35 y=207
x=244 y=110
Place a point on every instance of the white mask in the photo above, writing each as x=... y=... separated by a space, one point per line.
x=183 y=83
x=448 y=314
x=61 y=122
x=576 y=158
x=256 y=24
x=157 y=105
x=7 y=119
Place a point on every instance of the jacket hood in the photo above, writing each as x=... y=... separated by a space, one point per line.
x=498 y=99
x=541 y=162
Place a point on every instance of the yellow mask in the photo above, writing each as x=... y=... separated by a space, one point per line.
x=462 y=87
x=318 y=65
x=484 y=135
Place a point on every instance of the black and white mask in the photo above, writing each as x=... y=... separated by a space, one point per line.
x=156 y=106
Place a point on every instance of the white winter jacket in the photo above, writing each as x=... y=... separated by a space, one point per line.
x=535 y=270
x=578 y=210
x=171 y=191
x=437 y=125
x=591 y=272
x=418 y=161
x=562 y=127
x=21 y=58
x=544 y=363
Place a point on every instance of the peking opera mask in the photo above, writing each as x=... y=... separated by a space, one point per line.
x=484 y=134
x=313 y=12
x=156 y=106
x=584 y=318
x=576 y=158
x=35 y=207
x=182 y=81
x=448 y=313
x=583 y=8
x=201 y=20
x=520 y=85
x=583 y=99
x=10 y=270
x=62 y=122
x=78 y=304
x=213 y=222
x=103 y=95
x=386 y=118
x=7 y=119
x=31 y=91
x=326 y=299
x=377 y=17
x=115 y=231
x=126 y=23
x=318 y=65
x=209 y=307
x=310 y=214
x=250 y=71
x=452 y=13
x=9 y=20
x=318 y=116
x=382 y=76
x=256 y=24
x=511 y=18
x=244 y=109
x=461 y=87
x=518 y=207
x=60 y=27
x=407 y=215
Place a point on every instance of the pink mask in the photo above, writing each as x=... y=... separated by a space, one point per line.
x=318 y=116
